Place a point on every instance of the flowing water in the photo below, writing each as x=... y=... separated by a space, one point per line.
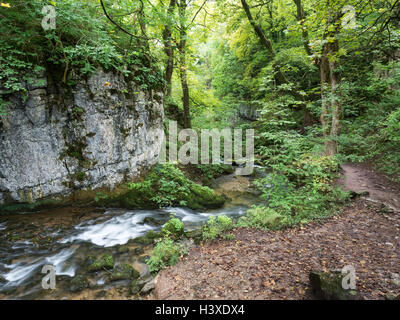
x=21 y=261
x=64 y=238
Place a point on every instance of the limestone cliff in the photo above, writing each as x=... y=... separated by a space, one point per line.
x=95 y=133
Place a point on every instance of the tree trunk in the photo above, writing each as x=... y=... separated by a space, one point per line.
x=301 y=17
x=169 y=51
x=278 y=74
x=331 y=108
x=182 y=69
x=336 y=107
x=331 y=111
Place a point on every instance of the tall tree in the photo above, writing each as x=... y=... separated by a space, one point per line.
x=182 y=59
x=279 y=76
x=168 y=48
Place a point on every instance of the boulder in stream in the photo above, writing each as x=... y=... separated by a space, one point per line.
x=143 y=285
x=124 y=272
x=105 y=262
x=78 y=283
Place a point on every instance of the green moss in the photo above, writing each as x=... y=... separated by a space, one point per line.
x=123 y=249
x=124 y=272
x=328 y=286
x=125 y=131
x=148 y=238
x=151 y=234
x=196 y=235
x=76 y=150
x=105 y=262
x=78 y=283
x=165 y=186
x=79 y=176
x=28 y=207
x=204 y=197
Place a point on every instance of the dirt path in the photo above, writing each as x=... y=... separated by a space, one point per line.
x=276 y=264
x=362 y=178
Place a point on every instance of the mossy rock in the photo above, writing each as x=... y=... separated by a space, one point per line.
x=137 y=285
x=150 y=194
x=143 y=240
x=124 y=272
x=148 y=238
x=31 y=207
x=105 y=262
x=137 y=251
x=123 y=249
x=202 y=197
x=151 y=234
x=78 y=283
x=152 y=221
x=328 y=286
x=127 y=199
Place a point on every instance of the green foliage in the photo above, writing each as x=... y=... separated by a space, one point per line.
x=372 y=128
x=217 y=227
x=208 y=172
x=165 y=253
x=174 y=228
x=83 y=40
x=164 y=186
x=300 y=186
x=263 y=218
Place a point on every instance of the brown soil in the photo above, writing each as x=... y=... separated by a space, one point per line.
x=363 y=178
x=276 y=264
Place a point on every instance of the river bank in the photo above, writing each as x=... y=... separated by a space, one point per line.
x=74 y=238
x=267 y=264
x=276 y=264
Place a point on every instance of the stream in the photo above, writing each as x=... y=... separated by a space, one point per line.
x=65 y=237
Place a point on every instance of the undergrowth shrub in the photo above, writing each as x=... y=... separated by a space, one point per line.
x=300 y=186
x=217 y=227
x=165 y=186
x=263 y=218
x=165 y=253
x=173 y=227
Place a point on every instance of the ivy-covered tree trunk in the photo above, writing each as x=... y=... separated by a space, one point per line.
x=331 y=111
x=279 y=76
x=183 y=67
x=168 y=49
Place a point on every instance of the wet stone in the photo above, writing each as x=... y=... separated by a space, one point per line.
x=124 y=272
x=78 y=283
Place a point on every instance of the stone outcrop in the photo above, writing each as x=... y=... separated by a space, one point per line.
x=328 y=286
x=95 y=133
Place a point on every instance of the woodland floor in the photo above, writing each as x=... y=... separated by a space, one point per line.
x=276 y=264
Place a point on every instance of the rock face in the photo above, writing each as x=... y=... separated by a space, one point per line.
x=94 y=134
